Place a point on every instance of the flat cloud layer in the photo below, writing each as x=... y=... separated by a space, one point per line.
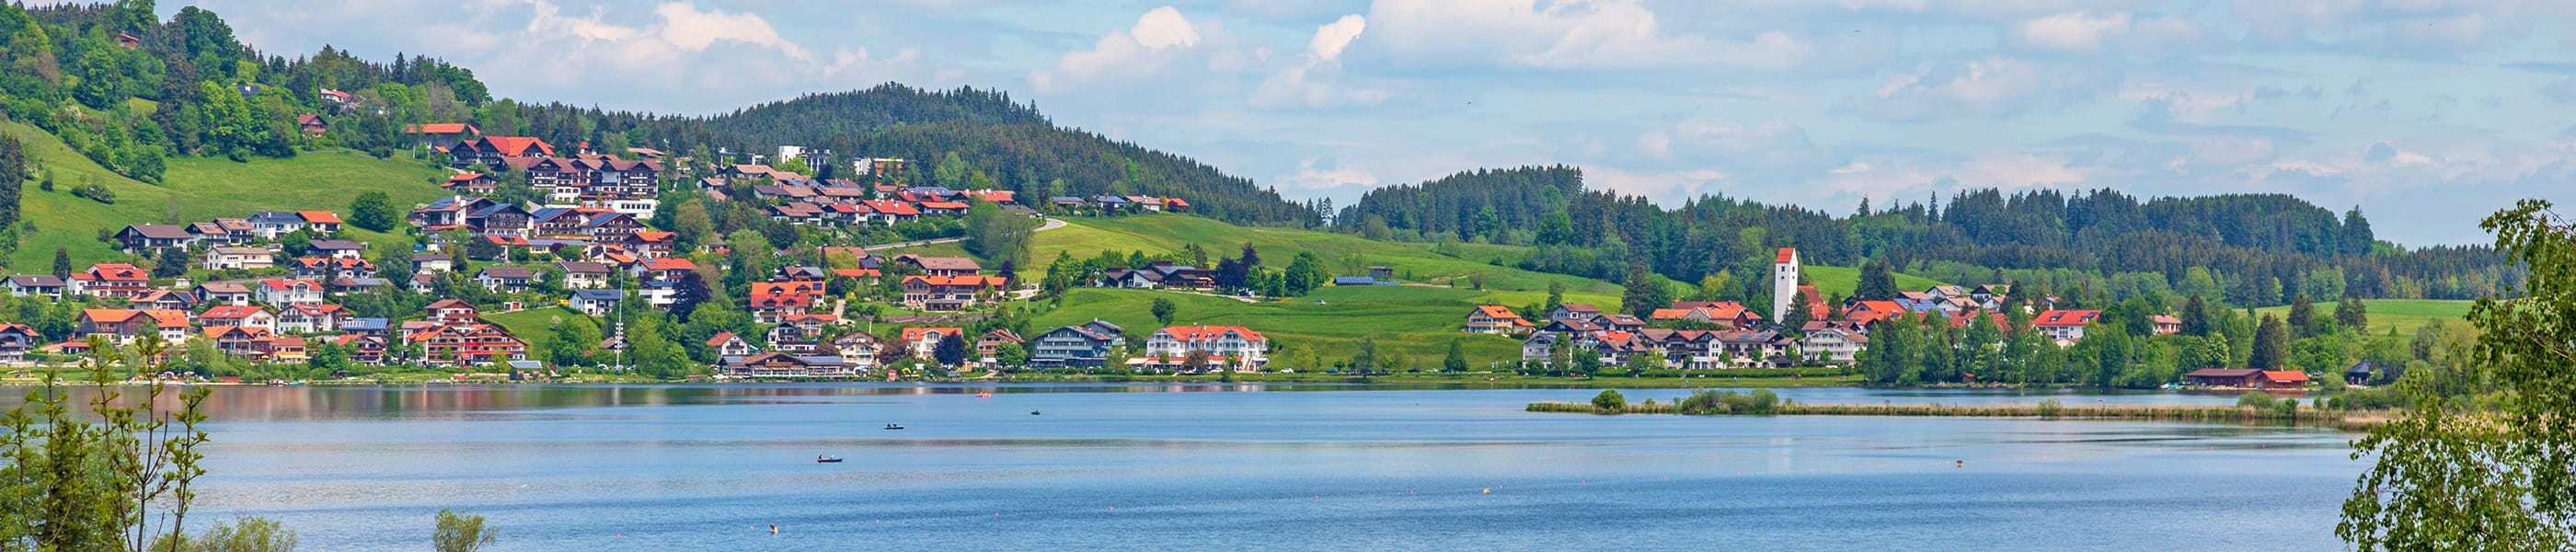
x=2425 y=117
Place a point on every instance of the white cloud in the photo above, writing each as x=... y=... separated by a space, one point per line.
x=1560 y=34
x=1315 y=81
x=1156 y=40
x=1311 y=177
x=1331 y=38
x=2071 y=32
x=1995 y=87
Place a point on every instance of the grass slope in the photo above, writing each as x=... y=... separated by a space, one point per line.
x=2404 y=314
x=532 y=325
x=1838 y=281
x=1087 y=237
x=202 y=189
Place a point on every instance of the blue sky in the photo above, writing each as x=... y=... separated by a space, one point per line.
x=2427 y=114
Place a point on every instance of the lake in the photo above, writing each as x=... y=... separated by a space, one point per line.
x=1250 y=467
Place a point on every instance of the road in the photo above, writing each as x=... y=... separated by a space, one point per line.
x=1050 y=224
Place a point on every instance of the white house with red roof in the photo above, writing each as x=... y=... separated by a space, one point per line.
x=111 y=280
x=283 y=293
x=1495 y=319
x=2064 y=325
x=1235 y=345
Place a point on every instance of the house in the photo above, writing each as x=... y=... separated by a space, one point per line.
x=1083 y=346
x=947 y=293
x=1750 y=348
x=584 y=275
x=728 y=344
x=145 y=238
x=1620 y=322
x=505 y=279
x=941 y=266
x=219 y=293
x=2225 y=377
x=1574 y=311
x=432 y=263
x=312 y=124
x=364 y=349
x=43 y=285
x=2064 y=325
x=490 y=151
x=339 y=249
x=596 y=302
x=989 y=347
x=123 y=326
x=163 y=299
x=269 y=225
x=451 y=311
x=925 y=341
x=801 y=328
x=237 y=340
x=442 y=135
x=324 y=269
x=1495 y=319
x=239 y=316
x=2165 y=324
x=1538 y=346
x=111 y=280
x=471 y=183
x=782 y=365
x=311 y=318
x=2284 y=379
x=16 y=340
x=1833 y=346
x=1721 y=314
x=1235 y=346
x=283 y=293
x=860 y=348
x=773 y=309
x=377 y=327
x=230 y=258
x=283 y=349
x=663 y=269
x=468 y=343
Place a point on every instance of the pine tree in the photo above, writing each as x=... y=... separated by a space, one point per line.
x=1457 y=359
x=1877 y=281
x=2303 y=318
x=2352 y=315
x=62 y=263
x=2195 y=316
x=2271 y=344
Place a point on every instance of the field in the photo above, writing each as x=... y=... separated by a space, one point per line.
x=2404 y=314
x=532 y=325
x=1409 y=322
x=200 y=189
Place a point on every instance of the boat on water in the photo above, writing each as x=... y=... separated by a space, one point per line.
x=894 y=426
x=1033 y=413
x=828 y=459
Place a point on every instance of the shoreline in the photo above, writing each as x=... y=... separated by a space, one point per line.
x=2346 y=420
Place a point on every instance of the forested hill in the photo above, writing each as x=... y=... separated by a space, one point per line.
x=959 y=138
x=2252 y=249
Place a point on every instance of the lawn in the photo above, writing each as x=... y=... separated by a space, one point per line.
x=1414 y=322
x=532 y=325
x=199 y=189
x=2403 y=314
x=1838 y=281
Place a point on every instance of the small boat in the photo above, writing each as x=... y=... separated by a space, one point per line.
x=894 y=426
x=1033 y=413
x=828 y=459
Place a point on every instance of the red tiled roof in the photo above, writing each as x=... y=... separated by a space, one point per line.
x=1787 y=254
x=2066 y=318
x=1205 y=333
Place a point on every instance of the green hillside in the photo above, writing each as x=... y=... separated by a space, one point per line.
x=1838 y=281
x=2404 y=314
x=201 y=188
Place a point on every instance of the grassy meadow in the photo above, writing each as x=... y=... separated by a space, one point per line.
x=2403 y=314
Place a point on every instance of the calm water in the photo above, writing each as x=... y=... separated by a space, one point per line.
x=1158 y=467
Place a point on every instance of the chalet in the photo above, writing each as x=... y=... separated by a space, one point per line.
x=445 y=213
x=505 y=279
x=2165 y=324
x=925 y=341
x=451 y=311
x=128 y=40
x=596 y=302
x=339 y=249
x=1495 y=319
x=311 y=318
x=809 y=288
x=728 y=344
x=501 y=219
x=111 y=280
x=237 y=340
x=327 y=268
x=163 y=299
x=269 y=225
x=663 y=269
x=802 y=328
x=860 y=348
x=360 y=284
x=470 y=343
x=312 y=124
x=1750 y=348
x=1574 y=311
x=584 y=275
x=1832 y=346
x=232 y=258
x=773 y=309
x=1083 y=346
x=1224 y=345
x=220 y=293
x=471 y=183
x=947 y=293
x=16 y=340
x=123 y=326
x=2064 y=325
x=432 y=263
x=40 y=285
x=1866 y=312
x=940 y=266
x=890 y=212
x=989 y=347
x=239 y=316
x=441 y=135
x=283 y=293
x=377 y=327
x=363 y=349
x=489 y=151
x=1538 y=348
x=781 y=365
x=283 y=349
x=211 y=234
x=145 y=238
x=649 y=244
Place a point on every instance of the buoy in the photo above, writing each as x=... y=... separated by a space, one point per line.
x=983 y=395
x=1963 y=463
x=773 y=528
x=1489 y=491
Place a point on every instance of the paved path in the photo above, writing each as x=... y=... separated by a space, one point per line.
x=1050 y=224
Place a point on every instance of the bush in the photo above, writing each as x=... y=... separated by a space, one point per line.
x=2051 y=408
x=2254 y=399
x=1760 y=401
x=1610 y=400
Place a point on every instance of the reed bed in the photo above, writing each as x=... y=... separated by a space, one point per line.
x=2340 y=419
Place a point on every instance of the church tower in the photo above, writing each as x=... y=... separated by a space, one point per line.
x=1784 y=283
